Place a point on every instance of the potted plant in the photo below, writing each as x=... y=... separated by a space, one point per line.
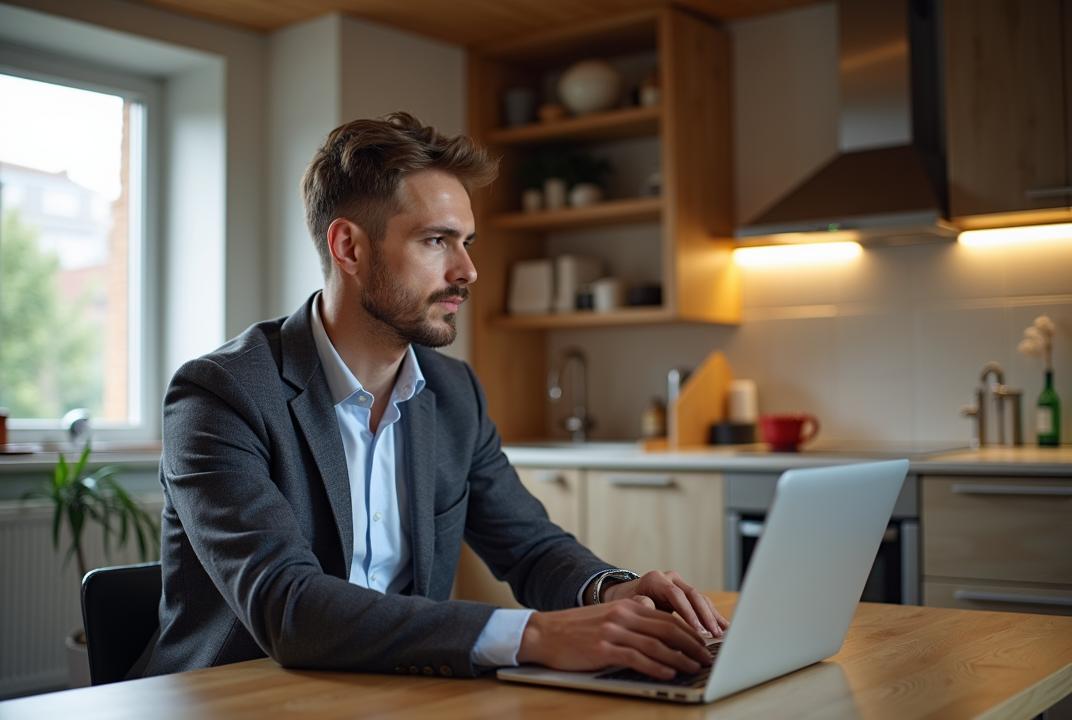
x=78 y=500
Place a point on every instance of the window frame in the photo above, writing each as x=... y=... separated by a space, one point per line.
x=145 y=275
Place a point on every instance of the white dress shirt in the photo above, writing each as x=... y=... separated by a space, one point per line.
x=382 y=557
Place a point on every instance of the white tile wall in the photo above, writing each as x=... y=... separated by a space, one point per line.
x=885 y=348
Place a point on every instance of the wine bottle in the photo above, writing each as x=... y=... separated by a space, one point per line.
x=1048 y=414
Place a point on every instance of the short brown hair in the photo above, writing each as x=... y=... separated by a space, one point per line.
x=357 y=171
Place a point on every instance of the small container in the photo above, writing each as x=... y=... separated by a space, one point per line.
x=731 y=433
x=653 y=421
x=532 y=200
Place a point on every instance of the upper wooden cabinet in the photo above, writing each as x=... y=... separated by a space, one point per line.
x=680 y=238
x=1008 y=77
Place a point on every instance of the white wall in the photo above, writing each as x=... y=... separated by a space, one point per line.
x=324 y=73
x=304 y=97
x=194 y=221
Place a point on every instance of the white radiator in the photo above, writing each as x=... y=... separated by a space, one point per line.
x=40 y=598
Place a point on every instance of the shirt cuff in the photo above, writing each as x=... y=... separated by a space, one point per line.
x=500 y=639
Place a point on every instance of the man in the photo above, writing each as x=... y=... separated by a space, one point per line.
x=321 y=470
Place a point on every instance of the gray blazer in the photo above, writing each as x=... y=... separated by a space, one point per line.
x=257 y=533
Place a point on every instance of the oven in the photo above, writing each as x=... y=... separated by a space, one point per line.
x=895 y=575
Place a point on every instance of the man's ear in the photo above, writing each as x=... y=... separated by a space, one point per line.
x=348 y=244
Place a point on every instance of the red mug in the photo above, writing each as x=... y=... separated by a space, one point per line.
x=785 y=433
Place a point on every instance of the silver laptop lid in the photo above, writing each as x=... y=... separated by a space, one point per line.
x=808 y=571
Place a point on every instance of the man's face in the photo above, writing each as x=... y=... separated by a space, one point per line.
x=420 y=271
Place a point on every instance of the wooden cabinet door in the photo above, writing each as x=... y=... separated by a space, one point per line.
x=560 y=491
x=1009 y=529
x=658 y=521
x=1007 y=134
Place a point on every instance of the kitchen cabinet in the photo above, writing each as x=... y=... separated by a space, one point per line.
x=1008 y=79
x=997 y=543
x=690 y=221
x=658 y=521
x=639 y=521
x=562 y=494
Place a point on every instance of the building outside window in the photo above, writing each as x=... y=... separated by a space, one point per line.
x=72 y=246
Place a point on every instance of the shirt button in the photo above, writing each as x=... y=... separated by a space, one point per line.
x=376 y=517
x=374 y=577
x=406 y=389
x=361 y=399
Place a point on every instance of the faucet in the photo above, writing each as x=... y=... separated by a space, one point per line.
x=579 y=422
x=1001 y=393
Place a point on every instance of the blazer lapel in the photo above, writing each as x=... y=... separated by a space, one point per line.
x=419 y=429
x=314 y=413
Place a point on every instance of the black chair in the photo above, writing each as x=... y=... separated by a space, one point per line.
x=119 y=612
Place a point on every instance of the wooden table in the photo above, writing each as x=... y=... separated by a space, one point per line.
x=897 y=662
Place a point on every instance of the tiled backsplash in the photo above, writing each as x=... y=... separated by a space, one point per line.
x=886 y=347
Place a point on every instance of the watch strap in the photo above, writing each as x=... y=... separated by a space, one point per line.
x=608 y=578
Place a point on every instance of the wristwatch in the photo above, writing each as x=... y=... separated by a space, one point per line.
x=610 y=577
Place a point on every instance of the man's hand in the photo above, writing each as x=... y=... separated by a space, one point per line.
x=626 y=632
x=669 y=592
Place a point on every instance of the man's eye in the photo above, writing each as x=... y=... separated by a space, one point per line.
x=437 y=240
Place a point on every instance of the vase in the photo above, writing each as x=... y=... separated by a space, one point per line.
x=589 y=86
x=554 y=193
x=531 y=200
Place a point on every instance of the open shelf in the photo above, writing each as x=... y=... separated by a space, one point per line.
x=624 y=316
x=610 y=125
x=609 y=212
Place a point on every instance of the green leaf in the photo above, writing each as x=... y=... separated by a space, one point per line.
x=81 y=466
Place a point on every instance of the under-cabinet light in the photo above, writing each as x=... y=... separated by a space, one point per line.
x=796 y=255
x=1016 y=235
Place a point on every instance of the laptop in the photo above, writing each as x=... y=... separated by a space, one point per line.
x=799 y=595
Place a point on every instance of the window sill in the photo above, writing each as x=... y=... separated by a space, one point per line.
x=45 y=455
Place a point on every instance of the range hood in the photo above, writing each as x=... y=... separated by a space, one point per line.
x=887 y=184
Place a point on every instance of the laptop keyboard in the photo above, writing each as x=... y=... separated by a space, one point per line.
x=698 y=679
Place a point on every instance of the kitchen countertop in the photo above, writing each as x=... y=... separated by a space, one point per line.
x=1003 y=461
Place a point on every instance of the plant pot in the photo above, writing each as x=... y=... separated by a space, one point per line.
x=77 y=660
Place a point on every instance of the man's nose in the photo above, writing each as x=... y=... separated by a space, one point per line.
x=463 y=271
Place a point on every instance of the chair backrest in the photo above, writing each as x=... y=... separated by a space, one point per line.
x=119 y=611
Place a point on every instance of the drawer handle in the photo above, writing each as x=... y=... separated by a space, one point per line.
x=980 y=489
x=1047 y=192
x=641 y=481
x=550 y=478
x=980 y=596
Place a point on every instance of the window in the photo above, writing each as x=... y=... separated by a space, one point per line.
x=72 y=247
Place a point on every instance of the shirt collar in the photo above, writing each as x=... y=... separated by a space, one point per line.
x=342 y=383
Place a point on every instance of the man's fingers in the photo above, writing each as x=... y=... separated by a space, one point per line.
x=671 y=633
x=632 y=658
x=644 y=600
x=680 y=602
x=704 y=609
x=654 y=647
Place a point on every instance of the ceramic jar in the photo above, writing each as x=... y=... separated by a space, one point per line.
x=589 y=86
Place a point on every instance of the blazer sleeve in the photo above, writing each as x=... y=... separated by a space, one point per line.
x=509 y=528
x=244 y=532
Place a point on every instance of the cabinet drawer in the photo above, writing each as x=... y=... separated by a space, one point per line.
x=1011 y=529
x=1003 y=597
x=658 y=521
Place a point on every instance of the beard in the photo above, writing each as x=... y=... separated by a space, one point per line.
x=405 y=313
